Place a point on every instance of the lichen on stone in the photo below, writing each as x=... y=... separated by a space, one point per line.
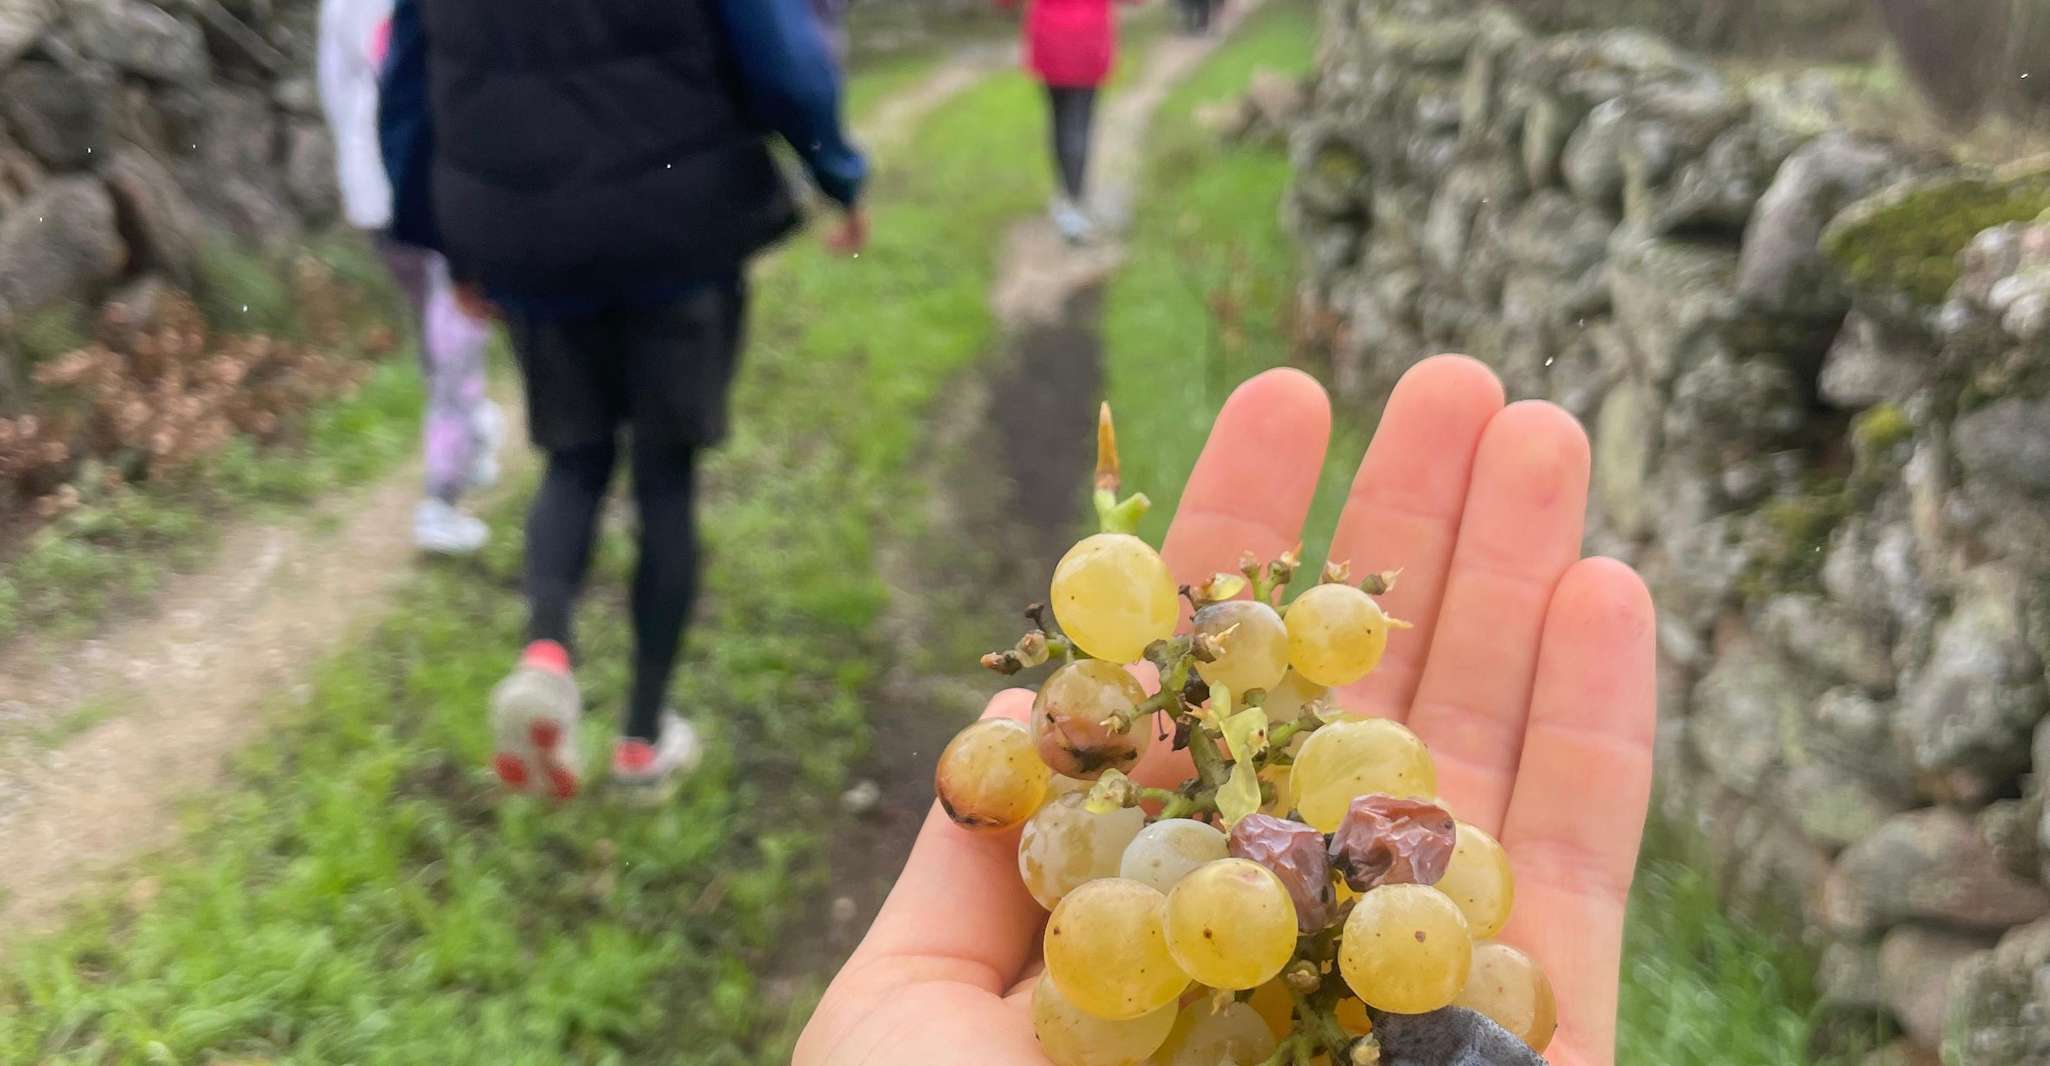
x=1907 y=238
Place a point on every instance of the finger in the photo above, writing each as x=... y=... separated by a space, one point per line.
x=1519 y=532
x=1403 y=511
x=1582 y=788
x=1252 y=485
x=959 y=901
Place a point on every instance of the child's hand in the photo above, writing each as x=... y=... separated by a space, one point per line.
x=1529 y=673
x=850 y=236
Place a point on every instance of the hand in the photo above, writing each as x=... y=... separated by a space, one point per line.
x=850 y=236
x=1529 y=673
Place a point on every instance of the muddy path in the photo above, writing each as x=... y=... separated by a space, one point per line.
x=1005 y=496
x=101 y=739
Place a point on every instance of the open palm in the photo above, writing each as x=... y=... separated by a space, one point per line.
x=1529 y=673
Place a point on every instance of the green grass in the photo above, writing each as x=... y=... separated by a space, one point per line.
x=1698 y=987
x=365 y=898
x=1206 y=296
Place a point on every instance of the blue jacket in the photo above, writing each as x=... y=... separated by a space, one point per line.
x=787 y=79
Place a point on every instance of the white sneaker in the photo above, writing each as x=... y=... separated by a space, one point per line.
x=649 y=773
x=534 y=714
x=490 y=432
x=441 y=528
x=1072 y=221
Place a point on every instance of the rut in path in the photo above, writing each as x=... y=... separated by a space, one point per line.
x=192 y=681
x=1027 y=416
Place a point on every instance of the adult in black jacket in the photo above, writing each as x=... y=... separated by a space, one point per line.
x=602 y=170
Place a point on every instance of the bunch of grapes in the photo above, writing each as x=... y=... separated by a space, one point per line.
x=1305 y=897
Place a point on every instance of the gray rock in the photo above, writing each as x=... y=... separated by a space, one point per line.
x=22 y=22
x=1548 y=122
x=58 y=115
x=2009 y=440
x=1826 y=636
x=140 y=37
x=1915 y=965
x=1836 y=806
x=1738 y=707
x=1783 y=268
x=2009 y=827
x=1454 y=210
x=1675 y=298
x=2040 y=762
x=1872 y=566
x=165 y=227
x=1724 y=402
x=2000 y=1003
x=1870 y=363
x=1849 y=976
x=301 y=96
x=1593 y=163
x=1332 y=176
x=1967 y=715
x=310 y=174
x=1715 y=192
x=1627 y=440
x=62 y=243
x=1931 y=866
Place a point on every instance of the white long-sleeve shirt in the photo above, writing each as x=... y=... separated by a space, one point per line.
x=351 y=43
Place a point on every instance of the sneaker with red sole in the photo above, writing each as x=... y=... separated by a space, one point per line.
x=648 y=773
x=534 y=715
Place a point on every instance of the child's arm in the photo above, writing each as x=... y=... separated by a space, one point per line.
x=794 y=86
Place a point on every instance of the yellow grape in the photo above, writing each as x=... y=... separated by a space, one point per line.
x=990 y=777
x=1206 y=1037
x=1065 y=846
x=1170 y=849
x=1231 y=924
x=1112 y=595
x=1255 y=655
x=1336 y=634
x=1406 y=949
x=1360 y=757
x=1352 y=1016
x=1508 y=986
x=1275 y=1006
x=1071 y=1036
x=1069 y=716
x=1285 y=702
x=1479 y=881
x=1106 y=947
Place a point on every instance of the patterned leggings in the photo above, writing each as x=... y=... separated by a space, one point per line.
x=452 y=348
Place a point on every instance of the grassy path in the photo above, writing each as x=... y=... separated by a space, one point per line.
x=364 y=897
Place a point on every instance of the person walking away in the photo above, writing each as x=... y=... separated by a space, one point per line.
x=462 y=428
x=1197 y=16
x=602 y=170
x=1070 y=46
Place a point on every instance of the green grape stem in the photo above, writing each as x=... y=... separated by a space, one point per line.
x=1120 y=516
x=1295 y=1051
x=1317 y=1015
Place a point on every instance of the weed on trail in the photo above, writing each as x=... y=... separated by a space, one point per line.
x=1203 y=303
x=368 y=896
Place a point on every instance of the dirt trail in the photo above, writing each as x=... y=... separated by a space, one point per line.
x=162 y=700
x=1011 y=451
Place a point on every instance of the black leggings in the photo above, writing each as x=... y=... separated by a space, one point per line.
x=560 y=531
x=1196 y=14
x=1074 y=111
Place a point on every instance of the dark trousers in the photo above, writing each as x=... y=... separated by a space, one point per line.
x=1073 y=111
x=1196 y=15
x=659 y=374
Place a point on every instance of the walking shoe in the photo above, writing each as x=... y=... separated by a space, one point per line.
x=1072 y=221
x=649 y=773
x=489 y=429
x=534 y=714
x=442 y=528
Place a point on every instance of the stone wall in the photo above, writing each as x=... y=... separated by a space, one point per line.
x=1816 y=369
x=133 y=132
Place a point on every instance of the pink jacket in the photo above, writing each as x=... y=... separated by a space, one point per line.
x=1070 y=43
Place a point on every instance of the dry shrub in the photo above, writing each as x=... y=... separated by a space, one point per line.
x=159 y=390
